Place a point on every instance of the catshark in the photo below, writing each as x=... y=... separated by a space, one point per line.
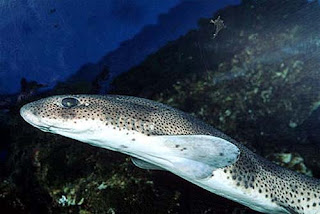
x=160 y=137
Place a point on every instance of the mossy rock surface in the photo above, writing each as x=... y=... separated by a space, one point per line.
x=257 y=81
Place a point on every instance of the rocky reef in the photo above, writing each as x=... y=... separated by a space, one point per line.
x=256 y=80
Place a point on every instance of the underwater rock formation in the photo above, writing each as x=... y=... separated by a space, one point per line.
x=257 y=80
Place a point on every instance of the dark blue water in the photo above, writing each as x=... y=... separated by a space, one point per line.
x=48 y=41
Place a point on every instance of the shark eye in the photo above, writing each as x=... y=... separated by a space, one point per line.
x=69 y=102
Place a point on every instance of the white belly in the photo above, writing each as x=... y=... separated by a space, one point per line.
x=220 y=185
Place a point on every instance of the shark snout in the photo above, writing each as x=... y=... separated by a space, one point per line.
x=25 y=111
x=29 y=116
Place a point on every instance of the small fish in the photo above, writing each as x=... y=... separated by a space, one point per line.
x=159 y=137
x=219 y=25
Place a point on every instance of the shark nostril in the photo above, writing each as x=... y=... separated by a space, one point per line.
x=69 y=102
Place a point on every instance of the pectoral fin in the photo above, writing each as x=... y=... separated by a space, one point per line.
x=198 y=155
x=145 y=165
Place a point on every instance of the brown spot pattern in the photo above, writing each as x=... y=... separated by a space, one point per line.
x=295 y=192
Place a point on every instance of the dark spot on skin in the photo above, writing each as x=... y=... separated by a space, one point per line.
x=123 y=146
x=133 y=139
x=221 y=154
x=177 y=146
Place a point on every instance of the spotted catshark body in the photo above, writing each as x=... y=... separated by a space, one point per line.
x=157 y=136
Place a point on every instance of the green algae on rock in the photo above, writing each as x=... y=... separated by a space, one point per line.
x=258 y=80
x=292 y=161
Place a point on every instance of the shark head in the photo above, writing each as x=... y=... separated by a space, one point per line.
x=92 y=114
x=154 y=133
x=90 y=118
x=58 y=113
